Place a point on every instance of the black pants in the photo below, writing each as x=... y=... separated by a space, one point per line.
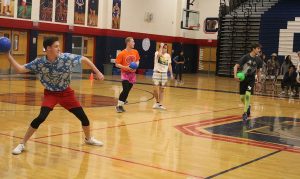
x=44 y=112
x=285 y=84
x=126 y=89
x=179 y=70
x=289 y=84
x=295 y=86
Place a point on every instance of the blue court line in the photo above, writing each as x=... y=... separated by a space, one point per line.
x=243 y=164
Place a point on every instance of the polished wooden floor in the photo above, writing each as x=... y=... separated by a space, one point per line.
x=194 y=138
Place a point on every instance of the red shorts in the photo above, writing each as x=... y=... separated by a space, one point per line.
x=65 y=98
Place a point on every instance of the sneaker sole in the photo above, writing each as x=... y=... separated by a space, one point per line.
x=94 y=144
x=118 y=111
x=14 y=153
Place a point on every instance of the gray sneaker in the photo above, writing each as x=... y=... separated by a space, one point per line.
x=120 y=109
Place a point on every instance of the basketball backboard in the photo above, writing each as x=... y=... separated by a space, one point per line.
x=190 y=20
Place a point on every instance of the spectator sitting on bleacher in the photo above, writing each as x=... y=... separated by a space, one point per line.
x=264 y=66
x=289 y=81
x=297 y=84
x=285 y=65
x=273 y=66
x=258 y=86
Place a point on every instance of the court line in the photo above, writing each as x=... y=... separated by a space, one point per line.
x=119 y=159
x=211 y=90
x=191 y=88
x=151 y=166
x=143 y=122
x=262 y=133
x=7 y=135
x=61 y=108
x=191 y=129
x=288 y=148
x=108 y=157
x=243 y=164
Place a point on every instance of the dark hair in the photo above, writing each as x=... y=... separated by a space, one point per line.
x=292 y=66
x=49 y=41
x=288 y=58
x=255 y=45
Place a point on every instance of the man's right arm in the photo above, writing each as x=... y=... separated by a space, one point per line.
x=237 y=66
x=235 y=69
x=19 y=68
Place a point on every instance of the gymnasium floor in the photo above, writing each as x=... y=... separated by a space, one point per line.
x=199 y=136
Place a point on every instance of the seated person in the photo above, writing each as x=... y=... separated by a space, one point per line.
x=285 y=65
x=297 y=85
x=273 y=66
x=289 y=81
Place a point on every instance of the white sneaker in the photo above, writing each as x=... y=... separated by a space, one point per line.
x=93 y=141
x=162 y=107
x=156 y=106
x=19 y=149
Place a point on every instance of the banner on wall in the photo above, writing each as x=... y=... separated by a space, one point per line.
x=116 y=14
x=24 y=9
x=79 y=12
x=46 y=7
x=211 y=25
x=61 y=11
x=7 y=8
x=93 y=13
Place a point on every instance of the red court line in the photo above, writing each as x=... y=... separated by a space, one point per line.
x=108 y=157
x=187 y=128
x=7 y=135
x=211 y=121
x=119 y=159
x=143 y=122
x=191 y=129
x=243 y=141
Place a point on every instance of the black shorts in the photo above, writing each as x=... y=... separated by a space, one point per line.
x=93 y=6
x=79 y=9
x=247 y=85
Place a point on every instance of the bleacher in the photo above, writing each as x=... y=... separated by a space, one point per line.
x=278 y=28
x=238 y=29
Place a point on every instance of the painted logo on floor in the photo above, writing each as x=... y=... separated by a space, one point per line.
x=281 y=133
